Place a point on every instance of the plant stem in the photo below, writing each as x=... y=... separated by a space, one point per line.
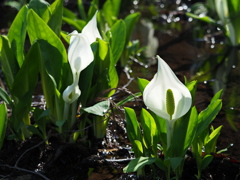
x=65 y=114
x=169 y=132
x=73 y=115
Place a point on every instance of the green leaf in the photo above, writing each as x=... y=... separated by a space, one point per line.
x=49 y=63
x=207 y=116
x=52 y=49
x=206 y=161
x=23 y=87
x=81 y=10
x=217 y=96
x=55 y=21
x=138 y=163
x=138 y=148
x=142 y=83
x=35 y=130
x=44 y=113
x=27 y=77
x=3 y=123
x=77 y=24
x=65 y=36
x=5 y=97
x=192 y=87
x=117 y=43
x=129 y=99
x=85 y=83
x=9 y=63
x=159 y=162
x=204 y=18
x=175 y=162
x=93 y=8
x=69 y=14
x=111 y=10
x=98 y=109
x=133 y=128
x=183 y=133
x=39 y=6
x=210 y=145
x=13 y=4
x=150 y=131
x=17 y=35
x=162 y=132
x=130 y=22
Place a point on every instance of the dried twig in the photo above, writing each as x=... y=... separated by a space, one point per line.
x=26 y=170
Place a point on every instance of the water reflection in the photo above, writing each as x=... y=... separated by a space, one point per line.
x=222 y=71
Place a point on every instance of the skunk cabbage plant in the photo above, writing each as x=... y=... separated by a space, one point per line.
x=80 y=55
x=167 y=96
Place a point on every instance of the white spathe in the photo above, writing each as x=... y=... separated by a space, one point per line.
x=80 y=55
x=154 y=95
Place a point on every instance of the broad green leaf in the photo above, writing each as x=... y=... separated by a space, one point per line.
x=159 y=162
x=138 y=163
x=39 y=6
x=130 y=22
x=71 y=18
x=142 y=83
x=13 y=4
x=206 y=161
x=85 y=83
x=103 y=51
x=9 y=63
x=111 y=10
x=150 y=131
x=138 y=148
x=35 y=130
x=52 y=49
x=69 y=14
x=133 y=129
x=112 y=75
x=105 y=70
x=117 y=42
x=192 y=87
x=210 y=145
x=207 y=116
x=42 y=114
x=27 y=76
x=55 y=21
x=217 y=96
x=175 y=162
x=98 y=109
x=49 y=56
x=23 y=87
x=183 y=133
x=17 y=35
x=162 y=130
x=3 y=123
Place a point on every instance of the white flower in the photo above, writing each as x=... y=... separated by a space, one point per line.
x=80 y=55
x=155 y=94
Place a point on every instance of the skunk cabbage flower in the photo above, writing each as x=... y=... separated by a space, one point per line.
x=166 y=95
x=80 y=55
